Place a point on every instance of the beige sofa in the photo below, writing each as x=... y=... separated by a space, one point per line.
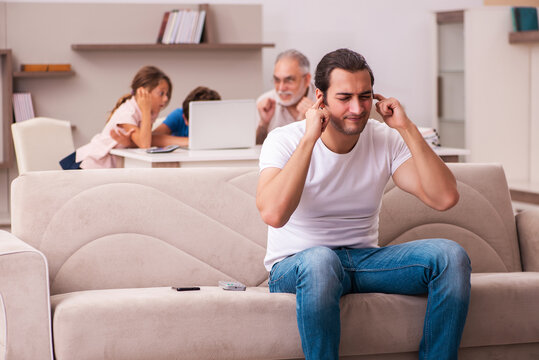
x=95 y=253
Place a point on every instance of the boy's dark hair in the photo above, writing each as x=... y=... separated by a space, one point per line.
x=345 y=59
x=198 y=94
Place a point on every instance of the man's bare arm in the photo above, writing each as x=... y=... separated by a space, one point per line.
x=424 y=175
x=279 y=190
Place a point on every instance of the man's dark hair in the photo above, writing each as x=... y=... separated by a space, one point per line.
x=198 y=94
x=345 y=59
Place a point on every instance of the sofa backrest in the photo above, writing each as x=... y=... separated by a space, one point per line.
x=482 y=221
x=121 y=228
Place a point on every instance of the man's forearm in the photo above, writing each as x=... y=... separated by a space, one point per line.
x=278 y=198
x=435 y=177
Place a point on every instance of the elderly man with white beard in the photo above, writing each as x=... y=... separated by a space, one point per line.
x=293 y=95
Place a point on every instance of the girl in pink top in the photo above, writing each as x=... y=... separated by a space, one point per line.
x=133 y=116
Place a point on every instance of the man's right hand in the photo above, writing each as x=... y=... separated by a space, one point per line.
x=317 y=120
x=266 y=109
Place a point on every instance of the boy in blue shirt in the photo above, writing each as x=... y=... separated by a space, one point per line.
x=175 y=129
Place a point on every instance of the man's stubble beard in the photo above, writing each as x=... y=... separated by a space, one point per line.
x=337 y=125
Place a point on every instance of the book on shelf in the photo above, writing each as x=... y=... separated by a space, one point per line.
x=176 y=27
x=23 y=107
x=45 y=67
x=524 y=19
x=184 y=37
x=182 y=26
x=163 y=27
x=170 y=25
x=200 y=26
x=34 y=67
x=59 y=67
x=193 y=27
x=182 y=19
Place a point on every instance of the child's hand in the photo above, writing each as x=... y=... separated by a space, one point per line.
x=122 y=137
x=143 y=100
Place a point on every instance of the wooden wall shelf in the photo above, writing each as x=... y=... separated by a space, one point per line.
x=176 y=47
x=42 y=74
x=6 y=109
x=533 y=3
x=450 y=17
x=523 y=37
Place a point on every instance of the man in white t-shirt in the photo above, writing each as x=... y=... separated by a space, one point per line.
x=320 y=189
x=292 y=97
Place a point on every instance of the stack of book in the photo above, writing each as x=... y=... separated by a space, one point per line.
x=430 y=135
x=22 y=106
x=182 y=27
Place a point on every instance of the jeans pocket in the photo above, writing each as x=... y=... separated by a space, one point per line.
x=283 y=276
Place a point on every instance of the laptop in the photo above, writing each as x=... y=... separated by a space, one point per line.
x=222 y=124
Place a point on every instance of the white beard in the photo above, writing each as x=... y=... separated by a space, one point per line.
x=295 y=98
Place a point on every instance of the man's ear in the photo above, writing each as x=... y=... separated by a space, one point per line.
x=320 y=94
x=185 y=120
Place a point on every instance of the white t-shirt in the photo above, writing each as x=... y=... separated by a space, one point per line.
x=341 y=199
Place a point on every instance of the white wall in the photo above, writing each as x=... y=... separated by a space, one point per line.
x=502 y=88
x=396 y=37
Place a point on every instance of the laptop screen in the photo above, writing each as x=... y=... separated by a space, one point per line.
x=222 y=124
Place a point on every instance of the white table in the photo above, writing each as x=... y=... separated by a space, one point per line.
x=188 y=158
x=232 y=157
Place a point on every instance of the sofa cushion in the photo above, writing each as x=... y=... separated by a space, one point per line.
x=161 y=323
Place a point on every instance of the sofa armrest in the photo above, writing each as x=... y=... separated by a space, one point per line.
x=528 y=237
x=25 y=322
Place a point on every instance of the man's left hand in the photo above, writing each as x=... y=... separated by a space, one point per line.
x=302 y=107
x=392 y=112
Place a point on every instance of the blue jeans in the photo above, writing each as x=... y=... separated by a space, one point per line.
x=320 y=276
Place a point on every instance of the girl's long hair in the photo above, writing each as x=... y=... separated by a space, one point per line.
x=148 y=77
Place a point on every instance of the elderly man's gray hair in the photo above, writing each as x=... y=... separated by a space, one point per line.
x=299 y=57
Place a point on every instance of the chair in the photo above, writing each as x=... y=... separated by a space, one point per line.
x=40 y=143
